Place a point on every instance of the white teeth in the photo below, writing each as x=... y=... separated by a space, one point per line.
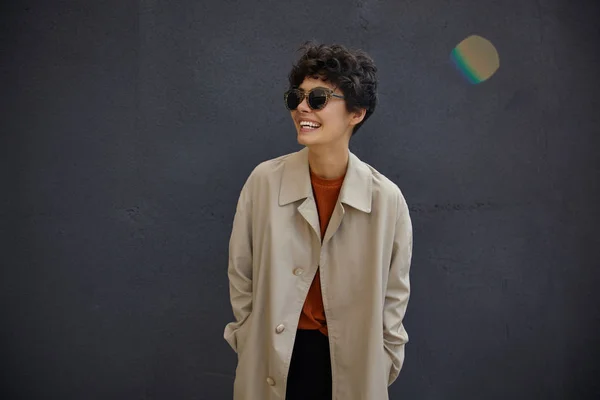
x=309 y=124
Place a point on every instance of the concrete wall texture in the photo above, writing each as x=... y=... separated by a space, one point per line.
x=129 y=127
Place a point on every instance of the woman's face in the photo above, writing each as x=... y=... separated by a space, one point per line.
x=331 y=126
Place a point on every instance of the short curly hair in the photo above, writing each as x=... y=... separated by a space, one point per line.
x=353 y=71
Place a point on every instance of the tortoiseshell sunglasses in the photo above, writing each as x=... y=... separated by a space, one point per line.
x=317 y=98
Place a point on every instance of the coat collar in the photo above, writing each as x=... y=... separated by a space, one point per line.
x=356 y=190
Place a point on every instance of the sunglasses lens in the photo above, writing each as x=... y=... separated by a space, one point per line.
x=292 y=99
x=317 y=99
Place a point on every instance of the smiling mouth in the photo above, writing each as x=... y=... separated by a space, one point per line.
x=309 y=126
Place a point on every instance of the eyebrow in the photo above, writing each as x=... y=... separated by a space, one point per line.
x=321 y=87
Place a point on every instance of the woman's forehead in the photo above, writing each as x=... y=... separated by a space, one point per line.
x=314 y=81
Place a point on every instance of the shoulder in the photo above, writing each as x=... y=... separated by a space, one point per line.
x=267 y=169
x=265 y=173
x=386 y=191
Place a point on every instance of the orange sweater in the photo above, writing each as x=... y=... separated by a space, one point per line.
x=326 y=193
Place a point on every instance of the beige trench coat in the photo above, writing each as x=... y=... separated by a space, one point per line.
x=364 y=259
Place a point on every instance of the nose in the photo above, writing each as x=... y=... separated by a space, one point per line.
x=303 y=106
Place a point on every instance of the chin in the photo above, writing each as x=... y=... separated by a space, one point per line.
x=307 y=142
x=307 y=139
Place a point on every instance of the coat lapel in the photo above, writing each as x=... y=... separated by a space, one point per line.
x=334 y=222
x=295 y=185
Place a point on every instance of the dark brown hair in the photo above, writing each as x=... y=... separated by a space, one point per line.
x=352 y=71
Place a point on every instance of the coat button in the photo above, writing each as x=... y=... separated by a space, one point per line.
x=271 y=381
x=298 y=271
x=280 y=328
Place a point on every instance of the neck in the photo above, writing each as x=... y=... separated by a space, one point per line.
x=328 y=164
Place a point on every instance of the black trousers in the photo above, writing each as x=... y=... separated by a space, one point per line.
x=309 y=377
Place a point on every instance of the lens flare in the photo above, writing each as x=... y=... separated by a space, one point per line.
x=476 y=58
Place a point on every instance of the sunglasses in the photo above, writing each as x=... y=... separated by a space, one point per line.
x=317 y=98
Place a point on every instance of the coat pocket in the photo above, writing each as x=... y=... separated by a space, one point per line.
x=241 y=335
x=390 y=371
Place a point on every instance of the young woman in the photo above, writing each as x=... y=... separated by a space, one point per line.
x=320 y=250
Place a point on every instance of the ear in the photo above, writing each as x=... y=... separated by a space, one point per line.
x=357 y=116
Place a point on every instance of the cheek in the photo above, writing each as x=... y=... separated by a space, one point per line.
x=335 y=120
x=332 y=118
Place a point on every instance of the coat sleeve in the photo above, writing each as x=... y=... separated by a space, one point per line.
x=397 y=292
x=239 y=268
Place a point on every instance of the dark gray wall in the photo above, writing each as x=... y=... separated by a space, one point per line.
x=128 y=129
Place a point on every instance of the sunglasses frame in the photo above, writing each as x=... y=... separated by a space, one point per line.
x=329 y=93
